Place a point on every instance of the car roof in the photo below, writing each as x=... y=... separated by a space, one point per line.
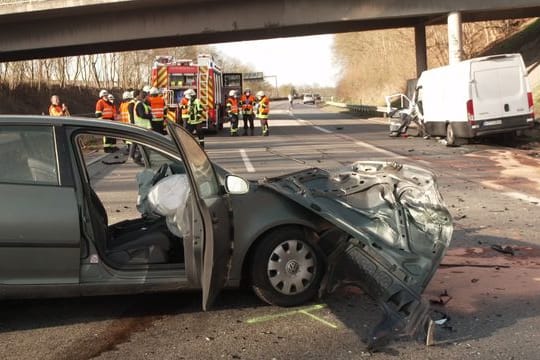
x=78 y=122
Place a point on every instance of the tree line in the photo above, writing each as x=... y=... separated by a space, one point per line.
x=379 y=62
x=117 y=70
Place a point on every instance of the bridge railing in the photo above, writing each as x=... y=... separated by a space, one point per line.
x=360 y=109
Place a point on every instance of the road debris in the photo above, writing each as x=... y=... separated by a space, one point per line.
x=474 y=280
x=505 y=250
x=443 y=299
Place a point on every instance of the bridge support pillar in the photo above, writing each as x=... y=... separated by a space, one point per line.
x=421 y=48
x=455 y=36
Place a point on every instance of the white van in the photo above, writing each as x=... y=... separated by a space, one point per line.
x=475 y=97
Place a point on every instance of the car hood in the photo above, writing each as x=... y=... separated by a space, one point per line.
x=391 y=230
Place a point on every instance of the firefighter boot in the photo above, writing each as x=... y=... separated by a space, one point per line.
x=265 y=131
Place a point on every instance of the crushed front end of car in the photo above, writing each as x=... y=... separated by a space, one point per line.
x=389 y=231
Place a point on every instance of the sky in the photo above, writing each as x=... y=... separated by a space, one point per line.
x=305 y=60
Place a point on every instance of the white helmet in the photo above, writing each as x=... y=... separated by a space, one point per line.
x=233 y=93
x=146 y=88
x=110 y=97
x=127 y=95
x=103 y=93
x=154 y=91
x=189 y=93
x=260 y=94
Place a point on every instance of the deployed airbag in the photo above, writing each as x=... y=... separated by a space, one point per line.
x=168 y=198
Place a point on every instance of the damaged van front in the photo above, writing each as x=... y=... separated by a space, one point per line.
x=389 y=231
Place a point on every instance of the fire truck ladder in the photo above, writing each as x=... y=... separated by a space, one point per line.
x=204 y=90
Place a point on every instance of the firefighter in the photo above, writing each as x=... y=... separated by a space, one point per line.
x=124 y=111
x=233 y=111
x=115 y=109
x=196 y=116
x=184 y=109
x=57 y=109
x=135 y=95
x=105 y=111
x=159 y=110
x=263 y=109
x=247 y=101
x=142 y=112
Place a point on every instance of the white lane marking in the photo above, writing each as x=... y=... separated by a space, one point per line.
x=322 y=129
x=247 y=162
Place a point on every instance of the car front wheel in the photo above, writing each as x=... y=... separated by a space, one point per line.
x=286 y=269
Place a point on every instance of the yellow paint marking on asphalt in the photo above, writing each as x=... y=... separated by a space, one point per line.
x=303 y=311
x=333 y=326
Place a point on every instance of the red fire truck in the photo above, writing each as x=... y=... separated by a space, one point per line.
x=173 y=77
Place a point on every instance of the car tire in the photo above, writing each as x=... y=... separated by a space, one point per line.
x=450 y=136
x=286 y=268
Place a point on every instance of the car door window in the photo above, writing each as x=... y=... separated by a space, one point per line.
x=28 y=155
x=201 y=167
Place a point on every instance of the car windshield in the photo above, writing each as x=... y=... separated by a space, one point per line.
x=199 y=164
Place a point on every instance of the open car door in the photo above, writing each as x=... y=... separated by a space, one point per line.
x=216 y=212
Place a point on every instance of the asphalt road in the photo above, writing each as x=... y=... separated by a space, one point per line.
x=492 y=298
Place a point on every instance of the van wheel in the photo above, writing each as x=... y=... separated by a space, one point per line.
x=450 y=136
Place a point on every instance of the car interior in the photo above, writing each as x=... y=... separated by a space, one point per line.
x=145 y=239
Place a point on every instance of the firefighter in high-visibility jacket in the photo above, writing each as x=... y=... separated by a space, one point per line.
x=247 y=101
x=142 y=113
x=105 y=110
x=233 y=111
x=159 y=110
x=196 y=116
x=124 y=107
x=184 y=110
x=263 y=109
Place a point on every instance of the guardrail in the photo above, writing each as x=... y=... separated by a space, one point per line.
x=360 y=109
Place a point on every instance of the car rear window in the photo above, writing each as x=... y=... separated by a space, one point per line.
x=28 y=155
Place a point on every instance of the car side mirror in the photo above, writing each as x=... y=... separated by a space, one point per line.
x=236 y=185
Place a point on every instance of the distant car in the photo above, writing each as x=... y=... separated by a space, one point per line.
x=308 y=99
x=381 y=225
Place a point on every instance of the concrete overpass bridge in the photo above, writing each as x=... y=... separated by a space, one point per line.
x=33 y=29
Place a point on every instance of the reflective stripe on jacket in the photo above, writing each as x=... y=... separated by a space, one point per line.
x=232 y=106
x=104 y=110
x=264 y=108
x=124 y=112
x=247 y=104
x=140 y=121
x=184 y=106
x=195 y=112
x=157 y=103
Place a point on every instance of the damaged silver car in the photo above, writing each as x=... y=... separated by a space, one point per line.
x=382 y=226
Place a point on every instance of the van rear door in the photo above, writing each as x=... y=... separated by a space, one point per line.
x=499 y=88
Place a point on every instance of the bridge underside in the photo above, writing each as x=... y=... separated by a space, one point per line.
x=133 y=25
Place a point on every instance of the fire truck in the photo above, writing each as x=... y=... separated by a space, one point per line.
x=173 y=77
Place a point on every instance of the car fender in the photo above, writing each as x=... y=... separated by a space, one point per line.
x=258 y=212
